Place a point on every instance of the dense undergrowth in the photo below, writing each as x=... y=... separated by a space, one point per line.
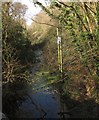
x=18 y=56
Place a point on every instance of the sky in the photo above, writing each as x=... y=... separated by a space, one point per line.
x=32 y=10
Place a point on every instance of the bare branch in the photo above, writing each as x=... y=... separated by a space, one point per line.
x=90 y=9
x=44 y=23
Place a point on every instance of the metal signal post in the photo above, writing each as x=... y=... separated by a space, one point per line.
x=59 y=43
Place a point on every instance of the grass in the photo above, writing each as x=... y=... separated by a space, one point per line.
x=43 y=79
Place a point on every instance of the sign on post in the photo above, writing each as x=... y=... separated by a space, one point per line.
x=58 y=40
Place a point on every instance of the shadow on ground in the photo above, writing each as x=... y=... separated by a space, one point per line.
x=85 y=109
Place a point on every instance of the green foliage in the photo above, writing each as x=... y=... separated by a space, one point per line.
x=97 y=34
x=42 y=80
x=78 y=21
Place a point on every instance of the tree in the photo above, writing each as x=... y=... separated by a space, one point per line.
x=17 y=56
x=81 y=20
x=17 y=12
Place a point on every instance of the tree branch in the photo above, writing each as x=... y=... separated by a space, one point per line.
x=90 y=9
x=75 y=12
x=46 y=10
x=44 y=23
